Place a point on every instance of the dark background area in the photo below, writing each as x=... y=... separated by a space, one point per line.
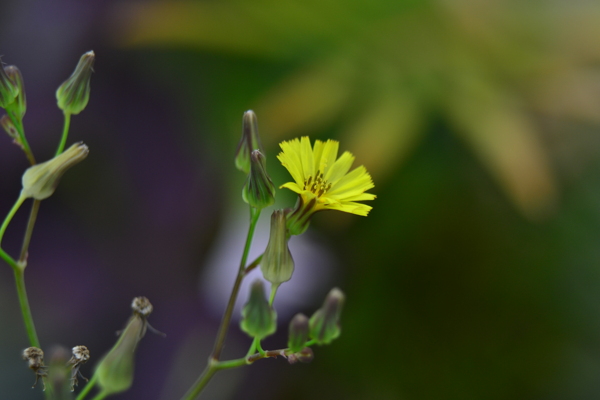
x=474 y=277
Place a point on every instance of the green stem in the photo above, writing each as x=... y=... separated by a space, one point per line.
x=100 y=396
x=253 y=265
x=65 y=133
x=87 y=388
x=10 y=215
x=18 y=123
x=215 y=366
x=25 y=309
x=9 y=260
x=35 y=207
x=223 y=328
x=273 y=293
x=202 y=381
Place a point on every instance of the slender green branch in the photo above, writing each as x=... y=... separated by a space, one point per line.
x=87 y=388
x=215 y=366
x=10 y=215
x=100 y=396
x=202 y=380
x=253 y=265
x=223 y=328
x=273 y=293
x=25 y=309
x=9 y=260
x=65 y=133
x=35 y=207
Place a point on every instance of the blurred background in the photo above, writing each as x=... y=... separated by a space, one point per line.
x=476 y=274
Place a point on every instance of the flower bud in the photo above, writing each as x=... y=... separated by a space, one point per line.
x=277 y=264
x=8 y=89
x=40 y=181
x=325 y=322
x=115 y=371
x=250 y=141
x=20 y=103
x=259 y=191
x=74 y=93
x=258 y=317
x=298 y=333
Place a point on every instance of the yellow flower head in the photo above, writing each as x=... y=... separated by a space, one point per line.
x=322 y=180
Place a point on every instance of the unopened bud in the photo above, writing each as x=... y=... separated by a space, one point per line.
x=35 y=361
x=305 y=355
x=74 y=93
x=277 y=264
x=259 y=190
x=20 y=104
x=325 y=322
x=40 y=181
x=249 y=142
x=114 y=373
x=298 y=333
x=8 y=88
x=258 y=317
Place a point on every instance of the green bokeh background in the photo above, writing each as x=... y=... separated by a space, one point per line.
x=468 y=280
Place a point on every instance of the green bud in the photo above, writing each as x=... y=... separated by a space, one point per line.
x=74 y=93
x=8 y=88
x=114 y=372
x=325 y=322
x=250 y=141
x=259 y=190
x=258 y=317
x=40 y=181
x=20 y=105
x=298 y=333
x=277 y=264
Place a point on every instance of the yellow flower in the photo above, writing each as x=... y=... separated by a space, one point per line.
x=322 y=181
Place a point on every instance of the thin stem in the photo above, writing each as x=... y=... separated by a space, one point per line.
x=35 y=207
x=100 y=396
x=252 y=348
x=87 y=388
x=214 y=366
x=253 y=265
x=202 y=381
x=273 y=293
x=65 y=133
x=10 y=215
x=25 y=309
x=9 y=260
x=222 y=334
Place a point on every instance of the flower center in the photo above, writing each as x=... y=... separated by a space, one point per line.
x=318 y=185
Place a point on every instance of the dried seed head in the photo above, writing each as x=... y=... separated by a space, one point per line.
x=141 y=306
x=80 y=355
x=34 y=356
x=35 y=361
